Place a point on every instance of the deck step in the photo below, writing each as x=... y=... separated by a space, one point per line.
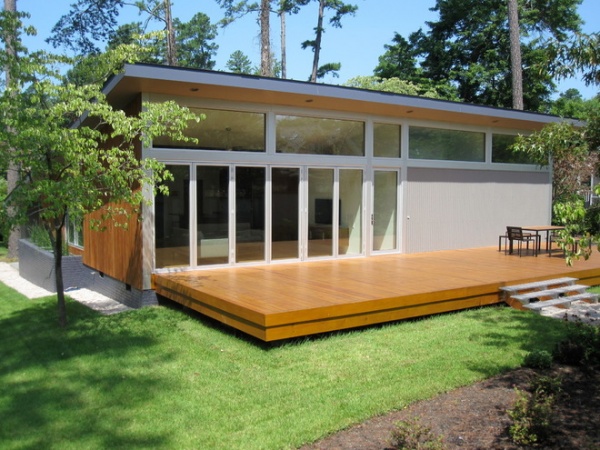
x=537 y=285
x=562 y=301
x=547 y=294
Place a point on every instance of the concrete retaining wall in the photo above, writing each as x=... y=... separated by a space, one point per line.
x=37 y=266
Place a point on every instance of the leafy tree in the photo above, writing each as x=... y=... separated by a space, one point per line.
x=400 y=62
x=394 y=84
x=581 y=53
x=76 y=153
x=469 y=47
x=572 y=105
x=90 y=23
x=574 y=153
x=194 y=42
x=11 y=38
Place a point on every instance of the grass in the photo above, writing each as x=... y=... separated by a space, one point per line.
x=160 y=378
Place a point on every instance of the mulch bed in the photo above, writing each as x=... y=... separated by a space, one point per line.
x=475 y=417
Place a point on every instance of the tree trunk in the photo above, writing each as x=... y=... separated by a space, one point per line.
x=318 y=37
x=57 y=239
x=12 y=174
x=283 y=47
x=266 y=68
x=171 y=44
x=515 y=54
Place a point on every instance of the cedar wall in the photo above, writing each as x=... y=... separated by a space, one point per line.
x=116 y=251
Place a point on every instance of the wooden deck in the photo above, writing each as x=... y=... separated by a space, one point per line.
x=274 y=302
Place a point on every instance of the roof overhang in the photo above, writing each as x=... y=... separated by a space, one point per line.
x=173 y=81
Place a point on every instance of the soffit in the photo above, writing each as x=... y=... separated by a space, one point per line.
x=323 y=97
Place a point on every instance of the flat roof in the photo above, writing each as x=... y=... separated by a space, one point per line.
x=195 y=83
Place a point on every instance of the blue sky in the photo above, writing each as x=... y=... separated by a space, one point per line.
x=357 y=45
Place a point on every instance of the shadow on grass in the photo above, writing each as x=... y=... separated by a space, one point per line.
x=74 y=387
x=521 y=330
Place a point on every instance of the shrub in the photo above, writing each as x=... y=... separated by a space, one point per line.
x=532 y=413
x=411 y=435
x=581 y=347
x=538 y=359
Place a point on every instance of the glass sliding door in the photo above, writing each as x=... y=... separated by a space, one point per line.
x=172 y=220
x=350 y=212
x=321 y=210
x=212 y=214
x=285 y=192
x=385 y=210
x=250 y=214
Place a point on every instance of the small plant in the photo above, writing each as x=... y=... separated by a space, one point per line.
x=532 y=413
x=538 y=359
x=39 y=236
x=412 y=435
x=547 y=386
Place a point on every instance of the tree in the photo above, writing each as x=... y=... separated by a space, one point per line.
x=234 y=11
x=340 y=9
x=580 y=54
x=90 y=22
x=194 y=42
x=516 y=69
x=573 y=151
x=239 y=63
x=394 y=84
x=469 y=47
x=571 y=104
x=11 y=41
x=76 y=153
x=400 y=62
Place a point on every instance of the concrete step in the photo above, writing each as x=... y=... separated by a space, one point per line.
x=548 y=294
x=537 y=285
x=562 y=301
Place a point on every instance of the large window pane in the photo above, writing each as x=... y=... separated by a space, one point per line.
x=310 y=135
x=320 y=212
x=250 y=213
x=386 y=140
x=449 y=145
x=385 y=208
x=212 y=186
x=223 y=130
x=501 y=152
x=350 y=204
x=172 y=220
x=284 y=214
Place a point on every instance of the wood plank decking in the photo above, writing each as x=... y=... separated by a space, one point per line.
x=274 y=302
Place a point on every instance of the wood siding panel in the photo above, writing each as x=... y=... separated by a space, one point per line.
x=453 y=209
x=116 y=251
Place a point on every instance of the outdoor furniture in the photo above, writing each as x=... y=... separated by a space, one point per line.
x=548 y=229
x=517 y=234
x=502 y=237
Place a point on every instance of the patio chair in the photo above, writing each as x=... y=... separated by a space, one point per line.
x=516 y=234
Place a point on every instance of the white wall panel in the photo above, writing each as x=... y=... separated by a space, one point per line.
x=452 y=209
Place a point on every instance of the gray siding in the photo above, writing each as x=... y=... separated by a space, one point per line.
x=452 y=209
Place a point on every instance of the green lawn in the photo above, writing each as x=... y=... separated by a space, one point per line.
x=158 y=378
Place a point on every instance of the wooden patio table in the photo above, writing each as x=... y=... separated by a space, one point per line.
x=537 y=229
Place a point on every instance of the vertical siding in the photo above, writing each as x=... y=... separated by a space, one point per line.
x=452 y=209
x=116 y=251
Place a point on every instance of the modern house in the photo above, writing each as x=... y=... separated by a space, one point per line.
x=292 y=172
